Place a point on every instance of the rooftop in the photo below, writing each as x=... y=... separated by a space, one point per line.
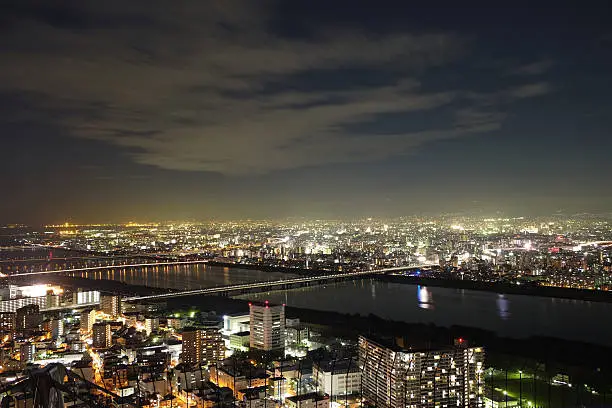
x=264 y=304
x=310 y=396
x=340 y=366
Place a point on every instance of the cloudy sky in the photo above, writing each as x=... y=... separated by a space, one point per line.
x=157 y=110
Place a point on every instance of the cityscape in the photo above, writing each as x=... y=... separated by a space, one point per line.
x=555 y=251
x=139 y=343
x=298 y=204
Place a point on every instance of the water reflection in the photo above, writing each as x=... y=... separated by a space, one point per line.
x=503 y=307
x=424 y=297
x=184 y=276
x=530 y=315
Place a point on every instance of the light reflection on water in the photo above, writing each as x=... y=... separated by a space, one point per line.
x=507 y=315
x=184 y=276
x=503 y=307
x=425 y=300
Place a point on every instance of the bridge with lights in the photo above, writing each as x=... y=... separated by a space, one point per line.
x=316 y=279
x=107 y=267
x=275 y=285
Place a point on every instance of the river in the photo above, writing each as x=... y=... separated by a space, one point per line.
x=185 y=277
x=507 y=315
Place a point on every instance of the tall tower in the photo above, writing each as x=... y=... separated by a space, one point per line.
x=267 y=324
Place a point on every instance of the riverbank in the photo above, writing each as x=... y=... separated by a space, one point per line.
x=503 y=288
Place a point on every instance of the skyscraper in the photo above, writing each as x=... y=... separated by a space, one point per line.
x=203 y=345
x=397 y=377
x=267 y=324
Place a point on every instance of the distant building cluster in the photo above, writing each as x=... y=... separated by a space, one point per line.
x=553 y=251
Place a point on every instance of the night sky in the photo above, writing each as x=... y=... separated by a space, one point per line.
x=167 y=110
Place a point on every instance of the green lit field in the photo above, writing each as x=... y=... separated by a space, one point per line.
x=542 y=394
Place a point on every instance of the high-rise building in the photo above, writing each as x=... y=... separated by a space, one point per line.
x=151 y=325
x=267 y=326
x=28 y=317
x=393 y=376
x=102 y=336
x=26 y=352
x=7 y=321
x=11 y=305
x=52 y=300
x=111 y=305
x=88 y=318
x=57 y=328
x=203 y=345
x=87 y=297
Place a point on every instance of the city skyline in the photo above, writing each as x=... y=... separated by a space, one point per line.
x=241 y=109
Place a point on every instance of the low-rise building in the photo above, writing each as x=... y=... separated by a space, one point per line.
x=337 y=377
x=310 y=400
x=497 y=399
x=239 y=341
x=189 y=377
x=237 y=375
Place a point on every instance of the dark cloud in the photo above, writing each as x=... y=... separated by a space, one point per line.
x=154 y=109
x=188 y=86
x=533 y=68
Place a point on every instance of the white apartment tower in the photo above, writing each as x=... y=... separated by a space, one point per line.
x=267 y=326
